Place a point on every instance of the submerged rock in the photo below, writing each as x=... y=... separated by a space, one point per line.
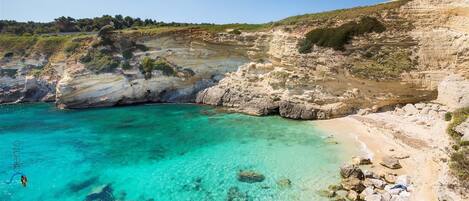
x=78 y=186
x=105 y=194
x=249 y=176
x=327 y=193
x=234 y=194
x=284 y=183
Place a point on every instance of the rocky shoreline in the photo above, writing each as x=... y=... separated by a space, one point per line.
x=358 y=184
x=409 y=142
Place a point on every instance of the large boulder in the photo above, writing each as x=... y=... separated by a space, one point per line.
x=348 y=171
x=391 y=163
x=352 y=195
x=353 y=184
x=453 y=91
x=296 y=111
x=373 y=197
x=357 y=160
x=410 y=109
x=377 y=183
x=366 y=192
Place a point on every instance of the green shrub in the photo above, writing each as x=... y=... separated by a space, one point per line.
x=235 y=32
x=126 y=65
x=35 y=72
x=338 y=37
x=99 y=62
x=458 y=117
x=127 y=54
x=459 y=160
x=50 y=45
x=70 y=46
x=105 y=31
x=8 y=55
x=148 y=65
x=16 y=44
x=448 y=116
x=459 y=165
x=141 y=47
x=165 y=68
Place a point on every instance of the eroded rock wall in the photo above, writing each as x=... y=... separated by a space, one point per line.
x=201 y=64
x=263 y=72
x=321 y=84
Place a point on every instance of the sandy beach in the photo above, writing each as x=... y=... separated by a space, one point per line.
x=419 y=141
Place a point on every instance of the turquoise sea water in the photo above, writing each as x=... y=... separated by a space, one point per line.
x=159 y=152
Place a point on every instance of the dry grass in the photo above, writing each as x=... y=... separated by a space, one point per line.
x=342 y=14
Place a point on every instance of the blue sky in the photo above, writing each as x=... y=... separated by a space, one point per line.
x=212 y=11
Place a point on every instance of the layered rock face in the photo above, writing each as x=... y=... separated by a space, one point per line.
x=199 y=65
x=298 y=93
x=321 y=84
x=263 y=72
x=442 y=33
x=17 y=86
x=454 y=92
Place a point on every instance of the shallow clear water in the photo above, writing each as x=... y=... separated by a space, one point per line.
x=160 y=152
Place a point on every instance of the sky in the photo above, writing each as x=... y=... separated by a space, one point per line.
x=194 y=11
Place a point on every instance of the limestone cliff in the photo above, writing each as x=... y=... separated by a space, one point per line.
x=258 y=72
x=428 y=36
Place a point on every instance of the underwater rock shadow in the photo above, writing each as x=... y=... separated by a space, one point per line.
x=106 y=194
x=79 y=186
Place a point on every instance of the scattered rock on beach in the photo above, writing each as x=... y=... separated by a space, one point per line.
x=390 y=178
x=354 y=171
x=365 y=185
x=353 y=184
x=352 y=195
x=391 y=162
x=403 y=180
x=377 y=183
x=373 y=197
x=410 y=109
x=366 y=192
x=249 y=176
x=357 y=160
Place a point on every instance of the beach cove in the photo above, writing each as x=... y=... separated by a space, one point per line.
x=163 y=152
